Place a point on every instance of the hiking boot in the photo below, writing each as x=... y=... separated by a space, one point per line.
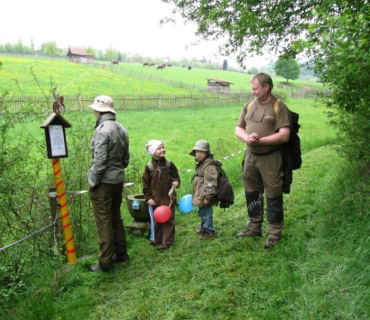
x=98 y=268
x=271 y=243
x=121 y=259
x=153 y=243
x=248 y=233
x=164 y=247
x=207 y=236
x=201 y=231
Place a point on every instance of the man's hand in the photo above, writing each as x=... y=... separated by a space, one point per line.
x=253 y=139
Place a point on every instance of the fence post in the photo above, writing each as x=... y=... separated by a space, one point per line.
x=53 y=210
x=292 y=92
x=160 y=101
x=123 y=102
x=79 y=101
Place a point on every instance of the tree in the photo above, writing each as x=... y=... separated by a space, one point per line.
x=252 y=70
x=90 y=50
x=49 y=48
x=333 y=34
x=287 y=68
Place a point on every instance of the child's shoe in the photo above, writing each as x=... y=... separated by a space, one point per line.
x=207 y=236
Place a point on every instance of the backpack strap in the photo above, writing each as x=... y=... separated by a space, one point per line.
x=218 y=167
x=276 y=105
x=153 y=171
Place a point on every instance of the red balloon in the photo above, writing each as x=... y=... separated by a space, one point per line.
x=162 y=214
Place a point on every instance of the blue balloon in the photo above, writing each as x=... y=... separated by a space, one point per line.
x=185 y=204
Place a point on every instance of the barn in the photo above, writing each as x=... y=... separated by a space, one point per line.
x=79 y=55
x=218 y=85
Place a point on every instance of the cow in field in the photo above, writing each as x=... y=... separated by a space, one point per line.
x=146 y=64
x=114 y=62
x=189 y=68
x=160 y=67
x=169 y=65
x=152 y=64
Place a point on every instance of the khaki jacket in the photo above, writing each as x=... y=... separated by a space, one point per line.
x=110 y=152
x=157 y=186
x=205 y=183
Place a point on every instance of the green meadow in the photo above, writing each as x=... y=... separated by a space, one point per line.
x=319 y=269
x=18 y=77
x=71 y=79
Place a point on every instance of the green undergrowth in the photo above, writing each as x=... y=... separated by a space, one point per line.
x=319 y=270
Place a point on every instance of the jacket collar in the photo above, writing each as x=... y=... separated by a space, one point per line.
x=104 y=117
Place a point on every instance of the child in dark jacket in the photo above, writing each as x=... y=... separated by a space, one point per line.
x=205 y=187
x=159 y=176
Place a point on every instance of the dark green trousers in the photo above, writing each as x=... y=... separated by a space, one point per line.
x=106 y=200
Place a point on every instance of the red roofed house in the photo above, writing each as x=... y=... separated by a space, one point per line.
x=218 y=85
x=79 y=55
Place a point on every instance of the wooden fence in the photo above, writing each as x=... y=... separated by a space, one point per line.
x=81 y=102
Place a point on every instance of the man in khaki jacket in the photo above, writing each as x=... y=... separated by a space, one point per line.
x=110 y=157
x=263 y=132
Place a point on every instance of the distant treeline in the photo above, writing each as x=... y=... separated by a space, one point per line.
x=51 y=49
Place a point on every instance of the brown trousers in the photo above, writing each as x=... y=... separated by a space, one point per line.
x=106 y=200
x=165 y=232
x=263 y=173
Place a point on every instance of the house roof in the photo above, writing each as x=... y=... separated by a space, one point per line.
x=78 y=51
x=219 y=81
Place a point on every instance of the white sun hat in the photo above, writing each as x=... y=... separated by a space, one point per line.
x=103 y=104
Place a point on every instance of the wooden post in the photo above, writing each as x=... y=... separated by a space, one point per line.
x=160 y=101
x=53 y=210
x=79 y=101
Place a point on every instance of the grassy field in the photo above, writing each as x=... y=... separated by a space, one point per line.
x=72 y=78
x=319 y=270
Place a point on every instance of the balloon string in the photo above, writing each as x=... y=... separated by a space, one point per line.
x=172 y=194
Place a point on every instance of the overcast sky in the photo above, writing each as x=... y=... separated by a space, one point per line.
x=130 y=26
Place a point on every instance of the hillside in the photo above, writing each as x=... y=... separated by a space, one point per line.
x=18 y=77
x=71 y=78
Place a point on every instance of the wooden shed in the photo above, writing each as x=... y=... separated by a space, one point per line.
x=218 y=85
x=79 y=55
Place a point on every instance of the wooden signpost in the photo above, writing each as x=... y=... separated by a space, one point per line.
x=56 y=143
